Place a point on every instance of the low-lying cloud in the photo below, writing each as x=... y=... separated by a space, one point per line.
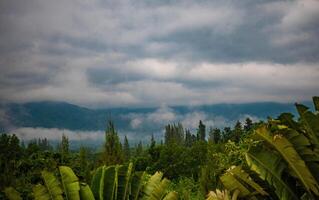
x=54 y=134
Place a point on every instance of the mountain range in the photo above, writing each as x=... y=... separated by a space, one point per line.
x=68 y=116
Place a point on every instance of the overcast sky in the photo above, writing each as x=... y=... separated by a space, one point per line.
x=152 y=53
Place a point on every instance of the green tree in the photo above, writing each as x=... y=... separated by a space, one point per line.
x=139 y=149
x=248 y=124
x=126 y=149
x=214 y=135
x=201 y=131
x=227 y=133
x=112 y=148
x=84 y=164
x=154 y=150
x=237 y=132
x=189 y=138
x=10 y=153
x=64 y=149
x=174 y=134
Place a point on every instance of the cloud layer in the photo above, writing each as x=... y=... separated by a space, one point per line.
x=151 y=53
x=142 y=126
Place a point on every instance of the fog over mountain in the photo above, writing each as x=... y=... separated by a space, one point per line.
x=84 y=125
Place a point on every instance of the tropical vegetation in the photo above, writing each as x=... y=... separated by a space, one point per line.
x=276 y=159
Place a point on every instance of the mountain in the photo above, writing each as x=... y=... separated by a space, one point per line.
x=68 y=116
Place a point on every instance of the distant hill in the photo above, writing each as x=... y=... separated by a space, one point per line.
x=68 y=116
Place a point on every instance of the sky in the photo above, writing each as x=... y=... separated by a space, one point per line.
x=138 y=53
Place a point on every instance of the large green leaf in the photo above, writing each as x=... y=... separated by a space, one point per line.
x=40 y=192
x=310 y=123
x=70 y=183
x=159 y=191
x=138 y=180
x=52 y=186
x=124 y=178
x=85 y=192
x=110 y=183
x=156 y=188
x=302 y=144
x=295 y=162
x=171 y=196
x=152 y=183
x=218 y=195
x=12 y=194
x=120 y=183
x=96 y=187
x=270 y=167
x=237 y=179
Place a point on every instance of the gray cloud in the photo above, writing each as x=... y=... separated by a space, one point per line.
x=149 y=53
x=154 y=122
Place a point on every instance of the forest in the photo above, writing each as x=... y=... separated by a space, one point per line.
x=273 y=159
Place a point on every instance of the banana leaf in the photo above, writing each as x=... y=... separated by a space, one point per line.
x=70 y=183
x=290 y=155
x=270 y=166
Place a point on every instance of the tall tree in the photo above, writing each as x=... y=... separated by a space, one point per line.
x=112 y=147
x=139 y=149
x=227 y=133
x=126 y=149
x=189 y=138
x=214 y=135
x=10 y=153
x=84 y=164
x=174 y=133
x=64 y=149
x=238 y=131
x=153 y=142
x=201 y=131
x=248 y=124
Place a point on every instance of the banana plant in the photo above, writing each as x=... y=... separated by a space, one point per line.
x=70 y=189
x=222 y=195
x=286 y=148
x=270 y=167
x=236 y=180
x=120 y=183
x=292 y=148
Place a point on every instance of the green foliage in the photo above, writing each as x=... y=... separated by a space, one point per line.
x=52 y=190
x=112 y=148
x=201 y=131
x=286 y=156
x=10 y=153
x=222 y=195
x=126 y=149
x=214 y=135
x=70 y=183
x=270 y=167
x=187 y=188
x=86 y=192
x=237 y=179
x=119 y=182
x=12 y=194
x=52 y=187
x=174 y=134
x=280 y=158
x=64 y=149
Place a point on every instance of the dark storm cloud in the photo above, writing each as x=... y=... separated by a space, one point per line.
x=124 y=53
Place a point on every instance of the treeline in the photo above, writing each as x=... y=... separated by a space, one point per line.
x=180 y=157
